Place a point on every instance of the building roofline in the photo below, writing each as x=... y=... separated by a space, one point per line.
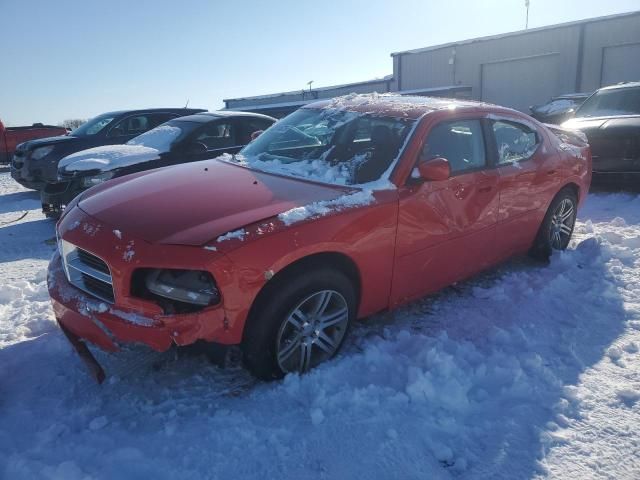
x=517 y=32
x=386 y=78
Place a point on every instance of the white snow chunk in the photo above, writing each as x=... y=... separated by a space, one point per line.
x=239 y=234
x=98 y=423
x=628 y=396
x=317 y=417
x=118 y=234
x=324 y=207
x=134 y=318
x=210 y=248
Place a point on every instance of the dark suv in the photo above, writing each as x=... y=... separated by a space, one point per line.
x=181 y=140
x=610 y=118
x=35 y=162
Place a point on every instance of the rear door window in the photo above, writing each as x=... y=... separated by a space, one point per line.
x=515 y=141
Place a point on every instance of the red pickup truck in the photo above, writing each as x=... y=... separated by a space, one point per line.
x=12 y=136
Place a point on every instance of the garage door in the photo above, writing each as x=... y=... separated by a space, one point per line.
x=521 y=82
x=620 y=63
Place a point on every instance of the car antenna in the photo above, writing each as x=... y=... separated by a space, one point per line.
x=186 y=104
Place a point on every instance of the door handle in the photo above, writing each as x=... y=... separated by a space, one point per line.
x=485 y=189
x=551 y=172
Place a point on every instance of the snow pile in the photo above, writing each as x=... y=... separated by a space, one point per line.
x=108 y=157
x=527 y=371
x=316 y=209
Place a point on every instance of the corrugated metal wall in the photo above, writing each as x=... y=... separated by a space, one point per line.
x=568 y=66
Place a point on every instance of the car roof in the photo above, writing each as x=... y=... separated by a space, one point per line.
x=204 y=117
x=621 y=85
x=184 y=111
x=412 y=107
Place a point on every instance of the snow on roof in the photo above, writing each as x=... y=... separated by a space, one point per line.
x=517 y=32
x=394 y=104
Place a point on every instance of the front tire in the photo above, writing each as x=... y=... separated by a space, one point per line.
x=557 y=227
x=301 y=323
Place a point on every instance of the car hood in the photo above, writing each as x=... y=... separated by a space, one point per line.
x=45 y=142
x=193 y=203
x=602 y=123
x=106 y=158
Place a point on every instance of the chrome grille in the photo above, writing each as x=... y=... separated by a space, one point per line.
x=86 y=271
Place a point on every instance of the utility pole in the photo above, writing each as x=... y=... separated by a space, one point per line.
x=526 y=24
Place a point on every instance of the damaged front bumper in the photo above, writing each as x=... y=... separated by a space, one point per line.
x=127 y=318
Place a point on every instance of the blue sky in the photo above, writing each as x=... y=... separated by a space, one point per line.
x=75 y=59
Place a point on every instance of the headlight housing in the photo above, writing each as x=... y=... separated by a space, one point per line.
x=189 y=288
x=41 y=152
x=90 y=181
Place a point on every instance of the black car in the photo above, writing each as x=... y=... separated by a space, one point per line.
x=36 y=162
x=558 y=109
x=610 y=119
x=186 y=139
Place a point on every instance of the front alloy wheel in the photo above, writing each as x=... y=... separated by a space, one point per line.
x=300 y=320
x=312 y=332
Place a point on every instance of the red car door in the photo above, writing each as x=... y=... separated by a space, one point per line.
x=446 y=229
x=530 y=174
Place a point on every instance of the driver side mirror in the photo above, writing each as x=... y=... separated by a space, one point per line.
x=435 y=169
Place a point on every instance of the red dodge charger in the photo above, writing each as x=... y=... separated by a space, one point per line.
x=342 y=209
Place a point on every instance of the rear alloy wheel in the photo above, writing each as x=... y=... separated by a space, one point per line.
x=312 y=332
x=557 y=226
x=300 y=322
x=562 y=221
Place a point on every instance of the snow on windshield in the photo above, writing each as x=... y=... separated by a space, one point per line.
x=330 y=145
x=159 y=138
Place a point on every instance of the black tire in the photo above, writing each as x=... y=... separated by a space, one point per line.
x=556 y=230
x=270 y=316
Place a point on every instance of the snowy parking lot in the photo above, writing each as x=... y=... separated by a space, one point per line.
x=527 y=371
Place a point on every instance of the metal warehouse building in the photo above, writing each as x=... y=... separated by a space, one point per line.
x=516 y=69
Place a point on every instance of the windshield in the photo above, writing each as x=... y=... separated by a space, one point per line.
x=93 y=126
x=162 y=137
x=619 y=101
x=329 y=145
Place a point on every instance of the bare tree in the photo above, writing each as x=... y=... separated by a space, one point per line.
x=72 y=123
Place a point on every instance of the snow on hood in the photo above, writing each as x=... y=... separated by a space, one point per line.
x=108 y=157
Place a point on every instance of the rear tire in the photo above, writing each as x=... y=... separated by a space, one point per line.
x=302 y=322
x=557 y=227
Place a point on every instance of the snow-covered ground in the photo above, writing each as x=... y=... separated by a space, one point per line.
x=527 y=371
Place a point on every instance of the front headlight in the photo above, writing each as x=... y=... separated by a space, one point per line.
x=87 y=182
x=41 y=152
x=195 y=287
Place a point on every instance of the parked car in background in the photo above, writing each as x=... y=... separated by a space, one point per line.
x=610 y=119
x=340 y=210
x=35 y=162
x=184 y=139
x=10 y=137
x=558 y=109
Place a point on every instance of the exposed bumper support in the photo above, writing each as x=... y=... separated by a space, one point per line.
x=85 y=354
